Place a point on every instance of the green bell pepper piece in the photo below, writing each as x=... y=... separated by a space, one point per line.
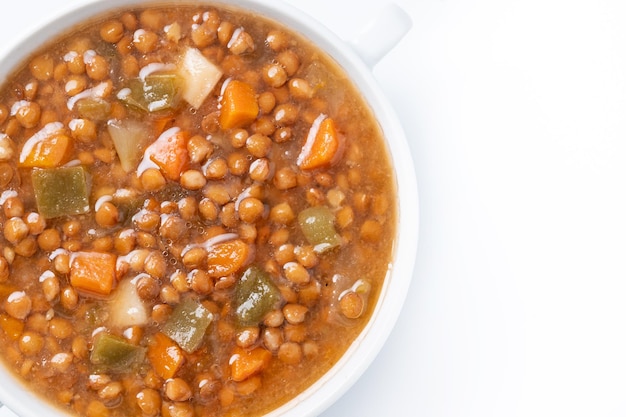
x=188 y=324
x=255 y=296
x=95 y=109
x=318 y=226
x=61 y=191
x=155 y=93
x=112 y=353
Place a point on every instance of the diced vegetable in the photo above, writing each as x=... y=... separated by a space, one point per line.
x=130 y=138
x=61 y=191
x=318 y=226
x=93 y=108
x=227 y=257
x=48 y=148
x=165 y=356
x=173 y=32
x=246 y=363
x=239 y=106
x=255 y=296
x=112 y=353
x=200 y=76
x=154 y=93
x=159 y=124
x=188 y=324
x=169 y=152
x=323 y=145
x=127 y=308
x=11 y=326
x=93 y=273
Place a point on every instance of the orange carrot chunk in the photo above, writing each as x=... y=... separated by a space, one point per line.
x=48 y=148
x=165 y=356
x=246 y=363
x=239 y=106
x=323 y=145
x=227 y=257
x=93 y=273
x=169 y=152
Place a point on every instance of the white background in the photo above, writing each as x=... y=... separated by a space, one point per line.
x=515 y=112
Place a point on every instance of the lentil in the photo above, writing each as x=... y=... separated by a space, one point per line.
x=290 y=353
x=177 y=389
x=18 y=305
x=13 y=207
x=149 y=401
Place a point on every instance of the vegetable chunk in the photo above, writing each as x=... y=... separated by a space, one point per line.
x=130 y=138
x=246 y=363
x=48 y=148
x=165 y=356
x=61 y=191
x=318 y=226
x=200 y=76
x=255 y=296
x=323 y=145
x=113 y=354
x=93 y=108
x=127 y=308
x=93 y=273
x=154 y=93
x=239 y=106
x=169 y=153
x=227 y=258
x=188 y=324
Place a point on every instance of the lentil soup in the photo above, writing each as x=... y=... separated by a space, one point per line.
x=198 y=214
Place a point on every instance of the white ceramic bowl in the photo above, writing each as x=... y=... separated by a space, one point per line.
x=357 y=58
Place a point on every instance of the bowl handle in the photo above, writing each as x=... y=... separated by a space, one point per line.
x=382 y=34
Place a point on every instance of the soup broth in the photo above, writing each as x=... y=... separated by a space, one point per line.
x=198 y=213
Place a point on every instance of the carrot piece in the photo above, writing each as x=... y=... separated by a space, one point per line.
x=165 y=356
x=169 y=152
x=48 y=152
x=239 y=106
x=161 y=124
x=227 y=257
x=93 y=273
x=11 y=326
x=323 y=145
x=246 y=363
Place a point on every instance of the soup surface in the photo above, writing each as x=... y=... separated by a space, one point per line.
x=197 y=213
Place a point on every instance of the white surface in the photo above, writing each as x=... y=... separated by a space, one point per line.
x=515 y=111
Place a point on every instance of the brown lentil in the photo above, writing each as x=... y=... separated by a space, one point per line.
x=112 y=31
x=296 y=273
x=177 y=389
x=149 y=401
x=18 y=305
x=290 y=353
x=289 y=61
x=295 y=313
x=351 y=305
x=15 y=229
x=31 y=343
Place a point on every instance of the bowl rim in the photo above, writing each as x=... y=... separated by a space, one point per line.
x=334 y=383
